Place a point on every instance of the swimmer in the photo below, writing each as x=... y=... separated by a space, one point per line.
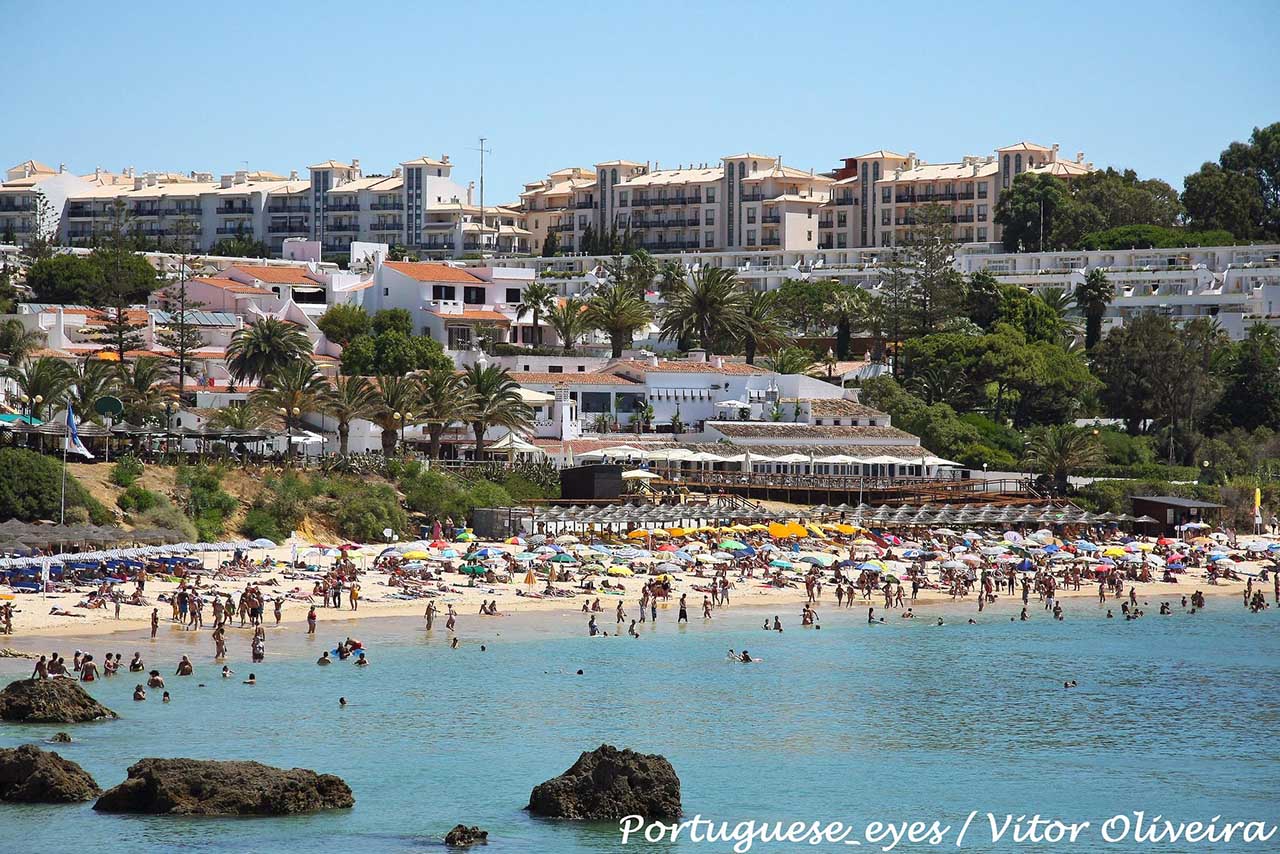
x=940 y=621
x=185 y=668
x=364 y=662
x=342 y=701
x=481 y=649
x=453 y=644
x=155 y=680
x=746 y=658
x=227 y=672
x=324 y=658
x=252 y=680
x=139 y=693
x=165 y=698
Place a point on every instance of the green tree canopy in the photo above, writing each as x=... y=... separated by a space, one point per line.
x=343 y=322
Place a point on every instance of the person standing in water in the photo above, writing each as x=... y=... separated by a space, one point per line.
x=155 y=622
x=311 y=620
x=684 y=613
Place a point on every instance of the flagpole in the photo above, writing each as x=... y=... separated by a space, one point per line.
x=62 y=520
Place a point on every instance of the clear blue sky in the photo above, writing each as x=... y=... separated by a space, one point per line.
x=1159 y=86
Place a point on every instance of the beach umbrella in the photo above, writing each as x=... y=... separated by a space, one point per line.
x=489 y=552
x=620 y=570
x=473 y=569
x=952 y=564
x=465 y=537
x=416 y=554
x=732 y=545
x=722 y=555
x=563 y=558
x=782 y=564
x=515 y=541
x=873 y=566
x=525 y=557
x=263 y=543
x=566 y=539
x=593 y=567
x=667 y=568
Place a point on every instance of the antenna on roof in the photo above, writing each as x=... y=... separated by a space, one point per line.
x=483 y=151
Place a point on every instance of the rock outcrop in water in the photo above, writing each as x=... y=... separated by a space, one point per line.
x=30 y=775
x=461 y=835
x=202 y=787
x=609 y=784
x=50 y=701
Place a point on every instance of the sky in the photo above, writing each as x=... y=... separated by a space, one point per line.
x=1160 y=87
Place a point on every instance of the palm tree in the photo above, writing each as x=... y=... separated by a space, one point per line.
x=17 y=342
x=91 y=379
x=790 y=360
x=1061 y=449
x=711 y=307
x=538 y=299
x=46 y=378
x=145 y=386
x=445 y=402
x=398 y=398
x=849 y=307
x=569 y=320
x=618 y=312
x=351 y=398
x=494 y=401
x=671 y=273
x=763 y=328
x=1093 y=296
x=260 y=349
x=293 y=389
x=243 y=418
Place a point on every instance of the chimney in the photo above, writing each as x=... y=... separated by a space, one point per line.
x=911 y=160
x=698 y=355
x=1053 y=155
x=1079 y=156
x=444 y=158
x=396 y=172
x=139 y=183
x=62 y=167
x=241 y=176
x=471 y=185
x=355 y=163
x=97 y=173
x=26 y=170
x=226 y=181
x=293 y=174
x=718 y=361
x=152 y=180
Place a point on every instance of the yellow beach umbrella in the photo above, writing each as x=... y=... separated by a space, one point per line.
x=778 y=530
x=676 y=532
x=795 y=529
x=638 y=534
x=417 y=554
x=620 y=570
x=843 y=528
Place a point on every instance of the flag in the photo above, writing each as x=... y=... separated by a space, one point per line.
x=73 y=442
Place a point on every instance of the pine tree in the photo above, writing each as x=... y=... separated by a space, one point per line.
x=551 y=246
x=180 y=335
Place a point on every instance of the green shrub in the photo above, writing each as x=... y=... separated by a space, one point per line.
x=367 y=510
x=208 y=505
x=435 y=494
x=31 y=489
x=485 y=494
x=259 y=523
x=286 y=499
x=135 y=499
x=126 y=471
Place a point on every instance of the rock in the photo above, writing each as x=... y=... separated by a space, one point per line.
x=608 y=784
x=50 y=701
x=462 y=835
x=61 y=738
x=7 y=652
x=203 y=787
x=33 y=776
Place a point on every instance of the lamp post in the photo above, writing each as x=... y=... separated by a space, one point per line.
x=35 y=405
x=399 y=419
x=169 y=408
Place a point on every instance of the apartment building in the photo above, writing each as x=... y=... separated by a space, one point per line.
x=745 y=201
x=19 y=193
x=877 y=197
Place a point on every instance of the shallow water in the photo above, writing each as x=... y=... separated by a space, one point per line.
x=904 y=721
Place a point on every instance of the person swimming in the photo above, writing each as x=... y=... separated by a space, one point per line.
x=361 y=661
x=324 y=658
x=165 y=698
x=139 y=693
x=252 y=680
x=227 y=672
x=746 y=658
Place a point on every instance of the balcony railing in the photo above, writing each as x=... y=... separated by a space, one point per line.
x=921 y=198
x=192 y=213
x=387 y=226
x=771 y=241
x=386 y=206
x=342 y=206
x=234 y=210
x=771 y=218
x=585 y=206
x=845 y=201
x=342 y=226
x=669 y=245
x=286 y=228
x=288 y=209
x=17 y=207
x=235 y=229
x=826 y=223
x=752 y=197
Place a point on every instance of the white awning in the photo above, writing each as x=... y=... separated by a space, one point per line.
x=535 y=398
x=639 y=474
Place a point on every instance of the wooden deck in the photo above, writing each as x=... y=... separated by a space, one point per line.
x=836 y=489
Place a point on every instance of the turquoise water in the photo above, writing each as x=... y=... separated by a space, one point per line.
x=1175 y=715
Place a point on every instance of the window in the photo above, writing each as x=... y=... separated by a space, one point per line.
x=513 y=295
x=810 y=237
x=810 y=210
x=555 y=369
x=982 y=213
x=884 y=217
x=711 y=195
x=710 y=218
x=614 y=177
x=842 y=240
x=1017 y=164
x=386 y=292
x=1005 y=172
x=886 y=195
x=885 y=239
x=842 y=220
x=473 y=296
x=982 y=235
x=596 y=401
x=742 y=170
x=708 y=238
x=982 y=190
x=445 y=292
x=751 y=215
x=751 y=237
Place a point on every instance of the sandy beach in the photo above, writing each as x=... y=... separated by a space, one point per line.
x=33 y=620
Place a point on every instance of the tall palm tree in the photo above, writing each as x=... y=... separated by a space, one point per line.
x=569 y=320
x=248 y=416
x=91 y=379
x=397 y=396
x=495 y=401
x=145 y=386
x=292 y=390
x=350 y=399
x=445 y=401
x=1061 y=449
x=763 y=328
x=46 y=378
x=538 y=300
x=671 y=273
x=1093 y=296
x=711 y=308
x=260 y=349
x=790 y=360
x=618 y=312
x=849 y=308
x=17 y=342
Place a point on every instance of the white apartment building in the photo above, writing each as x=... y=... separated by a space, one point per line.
x=19 y=193
x=746 y=201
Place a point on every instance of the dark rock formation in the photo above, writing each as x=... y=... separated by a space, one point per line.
x=462 y=835
x=607 y=784
x=50 y=701
x=201 y=787
x=33 y=776
x=61 y=738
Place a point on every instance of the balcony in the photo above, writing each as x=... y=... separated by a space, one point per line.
x=335 y=247
x=287 y=228
x=771 y=241
x=564 y=226
x=234 y=210
x=244 y=229
x=669 y=245
x=190 y=213
x=343 y=227
x=751 y=197
x=773 y=219
x=826 y=244
x=826 y=223
x=388 y=225
x=386 y=206
x=79 y=212
x=845 y=201
x=926 y=198
x=143 y=212
x=17 y=207
x=288 y=209
x=585 y=206
x=342 y=206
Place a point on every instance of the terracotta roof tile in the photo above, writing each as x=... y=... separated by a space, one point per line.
x=473 y=314
x=277 y=275
x=784 y=430
x=231 y=286
x=523 y=377
x=423 y=272
x=685 y=366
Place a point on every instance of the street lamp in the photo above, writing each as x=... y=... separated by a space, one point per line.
x=35 y=404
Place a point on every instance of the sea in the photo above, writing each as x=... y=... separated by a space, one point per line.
x=875 y=727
